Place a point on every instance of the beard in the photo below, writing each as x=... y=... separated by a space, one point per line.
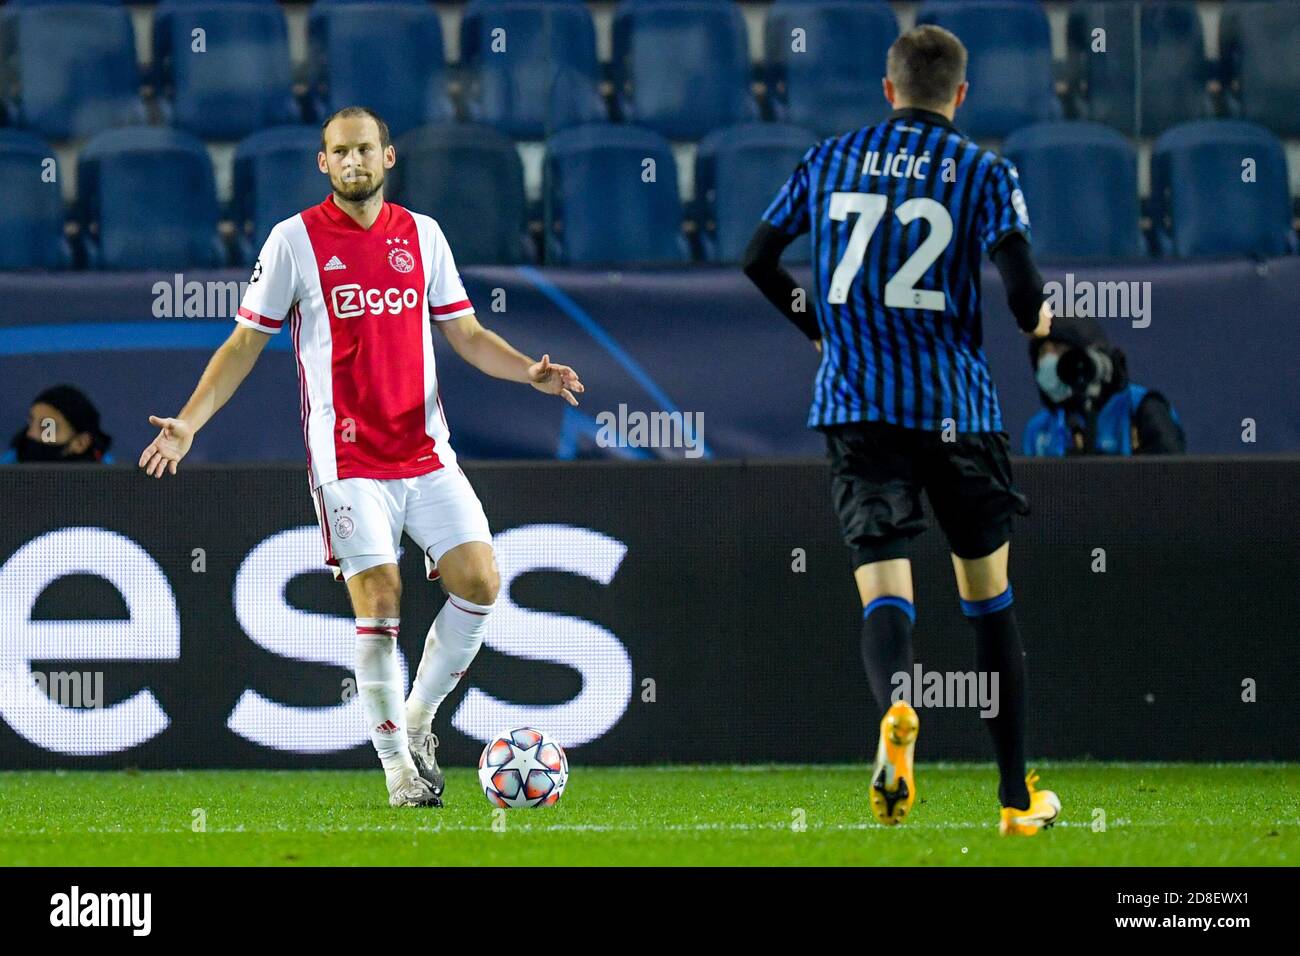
x=359 y=190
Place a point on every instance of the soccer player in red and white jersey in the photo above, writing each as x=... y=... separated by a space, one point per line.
x=360 y=283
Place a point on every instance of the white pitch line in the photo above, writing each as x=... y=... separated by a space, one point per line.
x=529 y=828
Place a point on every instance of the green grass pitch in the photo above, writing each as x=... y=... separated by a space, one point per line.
x=1153 y=814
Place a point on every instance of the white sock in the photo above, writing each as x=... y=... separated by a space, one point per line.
x=453 y=641
x=379 y=682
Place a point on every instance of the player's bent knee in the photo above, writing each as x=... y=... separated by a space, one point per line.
x=376 y=591
x=469 y=571
x=891 y=578
x=480 y=586
x=981 y=578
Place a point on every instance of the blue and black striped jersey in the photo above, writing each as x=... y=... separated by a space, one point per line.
x=899 y=213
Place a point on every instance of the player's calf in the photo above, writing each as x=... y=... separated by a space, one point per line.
x=450 y=647
x=379 y=685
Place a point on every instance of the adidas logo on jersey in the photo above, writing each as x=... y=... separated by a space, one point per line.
x=334 y=263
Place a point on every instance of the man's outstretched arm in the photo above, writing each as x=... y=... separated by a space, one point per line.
x=493 y=355
x=226 y=370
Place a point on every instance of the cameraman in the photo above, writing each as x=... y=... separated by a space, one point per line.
x=1091 y=407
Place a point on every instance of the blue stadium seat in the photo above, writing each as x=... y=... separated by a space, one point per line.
x=1010 y=68
x=1257 y=47
x=600 y=208
x=738 y=171
x=681 y=67
x=471 y=180
x=240 y=83
x=31 y=216
x=387 y=56
x=275 y=177
x=1080 y=184
x=832 y=84
x=1200 y=202
x=1169 y=68
x=544 y=80
x=74 y=69
x=147 y=200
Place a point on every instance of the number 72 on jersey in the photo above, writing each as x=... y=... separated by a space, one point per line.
x=900 y=290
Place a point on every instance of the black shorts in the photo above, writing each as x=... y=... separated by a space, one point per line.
x=878 y=471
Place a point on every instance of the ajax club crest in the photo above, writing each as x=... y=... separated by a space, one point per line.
x=399 y=257
x=343 y=523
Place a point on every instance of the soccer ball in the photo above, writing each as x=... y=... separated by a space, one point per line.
x=523 y=768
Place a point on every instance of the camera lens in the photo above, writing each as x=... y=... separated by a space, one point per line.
x=1076 y=369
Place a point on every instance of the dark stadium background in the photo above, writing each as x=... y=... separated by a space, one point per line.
x=532 y=159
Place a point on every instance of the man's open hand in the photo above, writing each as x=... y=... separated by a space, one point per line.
x=555 y=379
x=171 y=445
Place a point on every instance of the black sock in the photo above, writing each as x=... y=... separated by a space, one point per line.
x=998 y=650
x=886 y=645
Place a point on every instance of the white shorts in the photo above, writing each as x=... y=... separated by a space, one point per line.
x=362 y=519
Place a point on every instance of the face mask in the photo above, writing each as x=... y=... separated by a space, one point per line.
x=29 y=449
x=1056 y=390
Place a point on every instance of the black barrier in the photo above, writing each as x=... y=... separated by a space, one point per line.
x=650 y=612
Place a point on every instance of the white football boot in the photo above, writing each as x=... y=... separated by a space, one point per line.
x=423 y=752
x=412 y=790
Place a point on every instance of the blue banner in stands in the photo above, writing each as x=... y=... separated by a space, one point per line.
x=701 y=343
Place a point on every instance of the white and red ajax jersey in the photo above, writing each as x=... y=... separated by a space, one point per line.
x=358 y=303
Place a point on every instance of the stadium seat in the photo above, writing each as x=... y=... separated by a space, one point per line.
x=1257 y=47
x=681 y=67
x=1080 y=184
x=387 y=55
x=240 y=82
x=601 y=206
x=832 y=83
x=471 y=180
x=738 y=171
x=544 y=80
x=69 y=71
x=275 y=177
x=1201 y=203
x=1010 y=68
x=1169 y=68
x=31 y=217
x=147 y=200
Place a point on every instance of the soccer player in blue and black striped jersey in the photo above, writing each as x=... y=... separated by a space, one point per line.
x=899 y=214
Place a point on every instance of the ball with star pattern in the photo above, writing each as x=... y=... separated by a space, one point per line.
x=523 y=768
